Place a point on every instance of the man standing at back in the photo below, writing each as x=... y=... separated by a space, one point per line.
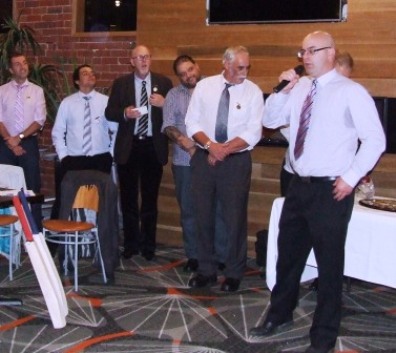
x=175 y=109
x=22 y=115
x=81 y=134
x=224 y=118
x=141 y=150
x=328 y=113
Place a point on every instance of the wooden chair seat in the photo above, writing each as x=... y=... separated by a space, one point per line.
x=9 y=221
x=66 y=226
x=6 y=220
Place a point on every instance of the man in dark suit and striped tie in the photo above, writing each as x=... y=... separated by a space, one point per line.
x=141 y=150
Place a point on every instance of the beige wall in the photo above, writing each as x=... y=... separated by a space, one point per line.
x=172 y=27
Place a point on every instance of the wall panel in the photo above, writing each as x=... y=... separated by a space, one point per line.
x=369 y=35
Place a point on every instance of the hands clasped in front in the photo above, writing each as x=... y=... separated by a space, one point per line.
x=218 y=152
x=13 y=143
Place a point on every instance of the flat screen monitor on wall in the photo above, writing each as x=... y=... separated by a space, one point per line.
x=275 y=11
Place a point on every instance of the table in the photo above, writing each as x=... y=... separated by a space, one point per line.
x=6 y=201
x=370 y=249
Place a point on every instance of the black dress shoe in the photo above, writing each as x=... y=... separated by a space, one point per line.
x=191 y=265
x=230 y=284
x=221 y=266
x=311 y=349
x=128 y=253
x=110 y=279
x=269 y=328
x=200 y=281
x=314 y=285
x=148 y=255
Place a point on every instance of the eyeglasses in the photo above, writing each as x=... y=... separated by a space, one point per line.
x=142 y=57
x=310 y=51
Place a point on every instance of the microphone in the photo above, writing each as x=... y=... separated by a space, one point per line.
x=298 y=69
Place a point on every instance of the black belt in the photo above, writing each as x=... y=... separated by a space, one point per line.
x=314 y=179
x=142 y=138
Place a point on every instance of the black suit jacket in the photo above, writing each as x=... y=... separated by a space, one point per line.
x=123 y=95
x=107 y=220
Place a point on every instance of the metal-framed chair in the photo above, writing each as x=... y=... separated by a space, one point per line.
x=11 y=177
x=73 y=234
x=9 y=221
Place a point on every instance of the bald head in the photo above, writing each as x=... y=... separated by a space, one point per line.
x=323 y=37
x=319 y=53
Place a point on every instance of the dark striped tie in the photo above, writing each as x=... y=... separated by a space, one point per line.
x=87 y=133
x=143 y=120
x=222 y=115
x=305 y=118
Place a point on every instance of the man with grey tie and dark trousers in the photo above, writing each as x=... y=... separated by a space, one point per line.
x=141 y=150
x=224 y=118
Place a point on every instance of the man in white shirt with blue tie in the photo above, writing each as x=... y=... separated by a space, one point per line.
x=68 y=131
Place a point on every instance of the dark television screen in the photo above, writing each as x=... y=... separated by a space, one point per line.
x=273 y=11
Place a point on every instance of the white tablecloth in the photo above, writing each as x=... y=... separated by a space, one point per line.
x=370 y=249
x=12 y=177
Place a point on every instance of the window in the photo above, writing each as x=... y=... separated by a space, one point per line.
x=105 y=15
x=5 y=12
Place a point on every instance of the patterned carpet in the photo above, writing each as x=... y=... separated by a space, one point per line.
x=151 y=309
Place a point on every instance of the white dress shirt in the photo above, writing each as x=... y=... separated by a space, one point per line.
x=34 y=109
x=245 y=112
x=343 y=113
x=67 y=133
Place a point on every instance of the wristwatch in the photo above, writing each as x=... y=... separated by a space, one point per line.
x=21 y=136
x=207 y=145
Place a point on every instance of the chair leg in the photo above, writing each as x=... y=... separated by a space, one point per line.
x=10 y=269
x=99 y=252
x=76 y=262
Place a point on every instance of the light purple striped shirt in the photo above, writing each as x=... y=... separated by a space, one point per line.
x=174 y=112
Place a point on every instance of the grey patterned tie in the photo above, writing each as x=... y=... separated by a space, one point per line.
x=143 y=120
x=87 y=133
x=222 y=115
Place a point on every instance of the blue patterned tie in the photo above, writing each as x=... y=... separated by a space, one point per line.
x=305 y=118
x=143 y=120
x=222 y=115
x=87 y=133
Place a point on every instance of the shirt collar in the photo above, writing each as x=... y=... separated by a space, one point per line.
x=90 y=94
x=25 y=84
x=139 y=81
x=327 y=77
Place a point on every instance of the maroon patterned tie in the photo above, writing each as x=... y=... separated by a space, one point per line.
x=305 y=118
